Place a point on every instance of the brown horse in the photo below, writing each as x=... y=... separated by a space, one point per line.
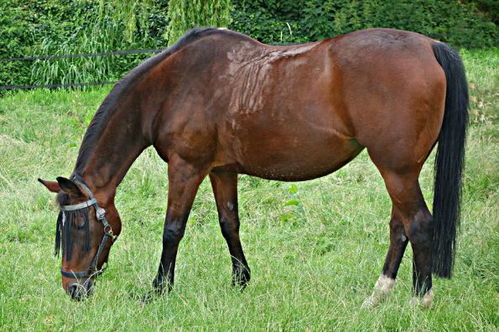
x=219 y=103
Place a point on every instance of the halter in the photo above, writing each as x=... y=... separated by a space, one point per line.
x=100 y=213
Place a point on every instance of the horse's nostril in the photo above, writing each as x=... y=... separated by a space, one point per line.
x=79 y=291
x=74 y=291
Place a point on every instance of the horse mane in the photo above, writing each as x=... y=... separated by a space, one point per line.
x=123 y=86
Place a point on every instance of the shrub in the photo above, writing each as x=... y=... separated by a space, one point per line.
x=457 y=23
x=185 y=15
x=45 y=27
x=54 y=27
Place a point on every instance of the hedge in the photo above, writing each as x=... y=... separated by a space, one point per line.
x=51 y=27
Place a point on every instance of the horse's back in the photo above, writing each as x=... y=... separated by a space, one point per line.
x=301 y=111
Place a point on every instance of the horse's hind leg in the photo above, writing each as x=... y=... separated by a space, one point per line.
x=411 y=220
x=398 y=243
x=183 y=182
x=225 y=189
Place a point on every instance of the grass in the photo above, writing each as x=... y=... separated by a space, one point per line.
x=315 y=248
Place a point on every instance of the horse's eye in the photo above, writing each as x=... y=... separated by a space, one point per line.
x=80 y=224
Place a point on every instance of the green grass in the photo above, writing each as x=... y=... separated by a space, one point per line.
x=315 y=248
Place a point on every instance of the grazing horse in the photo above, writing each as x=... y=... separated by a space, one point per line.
x=219 y=103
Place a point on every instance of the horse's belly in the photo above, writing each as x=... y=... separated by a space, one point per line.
x=294 y=157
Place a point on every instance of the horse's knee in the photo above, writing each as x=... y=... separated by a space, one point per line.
x=173 y=233
x=228 y=227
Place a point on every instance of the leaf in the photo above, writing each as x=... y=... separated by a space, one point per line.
x=294 y=202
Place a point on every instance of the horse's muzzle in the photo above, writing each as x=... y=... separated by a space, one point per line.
x=80 y=291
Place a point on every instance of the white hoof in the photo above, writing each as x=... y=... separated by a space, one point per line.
x=371 y=301
x=383 y=287
x=424 y=302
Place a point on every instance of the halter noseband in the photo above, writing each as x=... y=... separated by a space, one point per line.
x=100 y=213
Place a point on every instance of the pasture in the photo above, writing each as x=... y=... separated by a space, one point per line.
x=315 y=248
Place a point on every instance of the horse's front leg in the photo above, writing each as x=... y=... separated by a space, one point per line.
x=225 y=189
x=183 y=182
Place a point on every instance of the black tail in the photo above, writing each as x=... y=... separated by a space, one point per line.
x=449 y=161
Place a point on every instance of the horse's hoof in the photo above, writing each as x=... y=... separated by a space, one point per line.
x=384 y=285
x=239 y=286
x=375 y=299
x=424 y=302
x=241 y=277
x=371 y=302
x=159 y=286
x=153 y=294
x=148 y=297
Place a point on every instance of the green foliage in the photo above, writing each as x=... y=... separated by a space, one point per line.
x=70 y=27
x=54 y=27
x=456 y=23
x=16 y=38
x=101 y=26
x=270 y=21
x=184 y=15
x=489 y=8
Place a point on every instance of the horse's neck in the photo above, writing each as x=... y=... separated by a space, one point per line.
x=123 y=131
x=116 y=145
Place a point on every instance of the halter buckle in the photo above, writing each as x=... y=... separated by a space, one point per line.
x=108 y=230
x=100 y=213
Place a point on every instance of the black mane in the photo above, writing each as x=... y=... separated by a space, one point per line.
x=122 y=87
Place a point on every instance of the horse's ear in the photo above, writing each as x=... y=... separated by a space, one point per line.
x=69 y=187
x=51 y=185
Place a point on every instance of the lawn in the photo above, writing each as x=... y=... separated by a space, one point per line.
x=315 y=248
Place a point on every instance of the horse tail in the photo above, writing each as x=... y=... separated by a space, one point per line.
x=449 y=163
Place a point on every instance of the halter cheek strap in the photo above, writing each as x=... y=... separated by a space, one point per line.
x=100 y=213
